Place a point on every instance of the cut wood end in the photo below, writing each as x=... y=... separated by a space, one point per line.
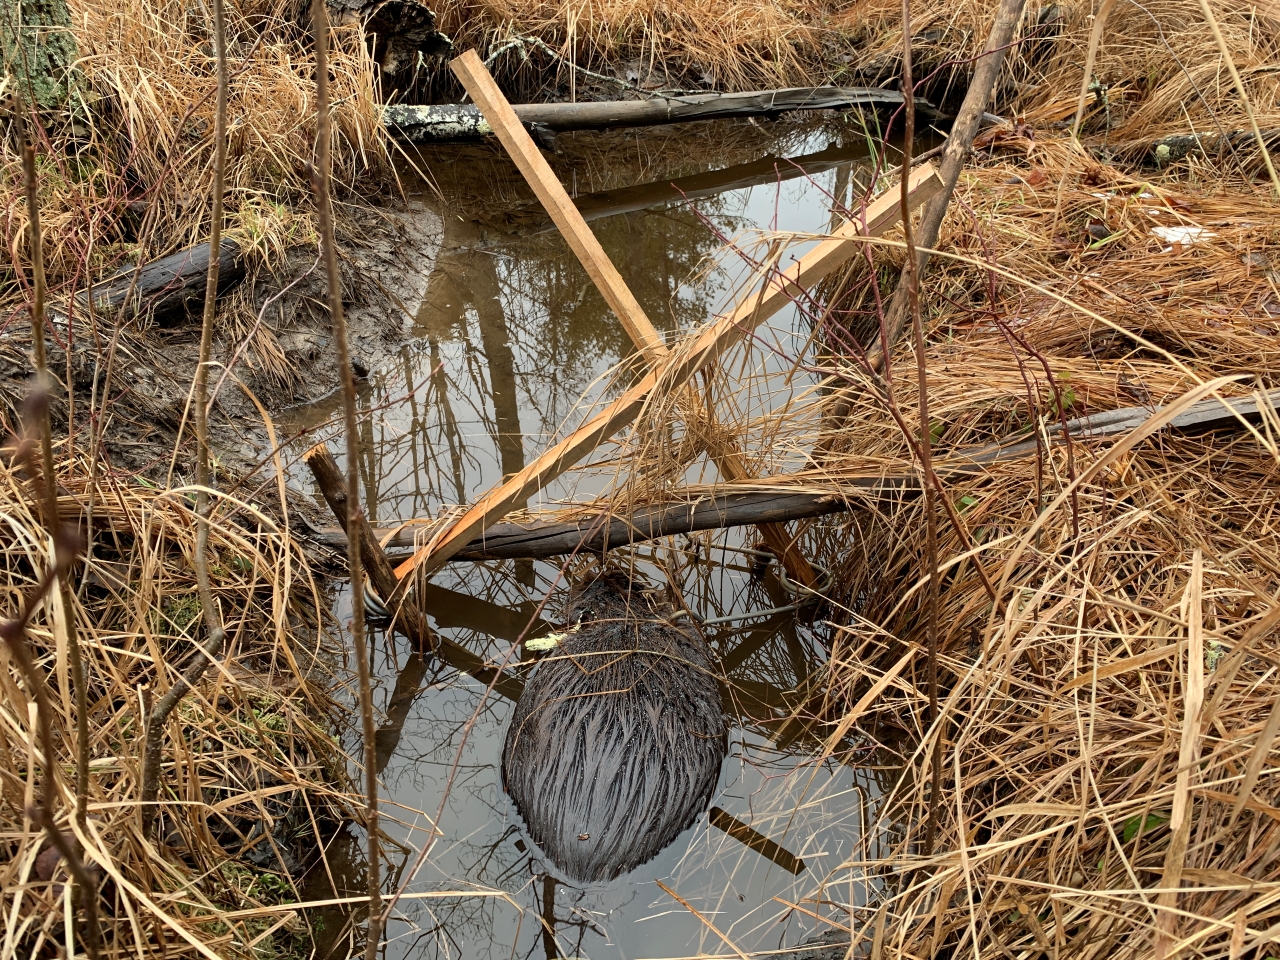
x=317 y=450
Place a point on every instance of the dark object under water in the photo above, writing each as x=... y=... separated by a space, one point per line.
x=616 y=744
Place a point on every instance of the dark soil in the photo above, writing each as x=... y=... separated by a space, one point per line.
x=145 y=371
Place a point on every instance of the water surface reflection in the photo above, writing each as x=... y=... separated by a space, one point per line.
x=509 y=338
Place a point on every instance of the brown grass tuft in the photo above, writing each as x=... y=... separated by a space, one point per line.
x=251 y=763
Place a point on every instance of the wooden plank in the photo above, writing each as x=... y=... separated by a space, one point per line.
x=475 y=77
x=776 y=288
x=451 y=122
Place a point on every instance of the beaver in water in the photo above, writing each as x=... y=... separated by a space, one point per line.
x=617 y=741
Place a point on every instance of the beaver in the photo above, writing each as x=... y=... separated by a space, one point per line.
x=617 y=741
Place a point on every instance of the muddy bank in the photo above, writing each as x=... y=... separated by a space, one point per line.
x=273 y=340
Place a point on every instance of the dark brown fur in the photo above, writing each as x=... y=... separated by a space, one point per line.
x=616 y=745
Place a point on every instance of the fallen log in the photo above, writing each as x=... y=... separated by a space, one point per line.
x=725 y=507
x=163 y=290
x=512 y=540
x=452 y=122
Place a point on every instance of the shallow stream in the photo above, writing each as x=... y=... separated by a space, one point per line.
x=510 y=336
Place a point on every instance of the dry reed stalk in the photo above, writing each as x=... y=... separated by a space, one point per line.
x=355 y=515
x=63 y=550
x=213 y=620
x=911 y=280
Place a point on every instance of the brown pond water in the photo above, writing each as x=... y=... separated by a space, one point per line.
x=508 y=340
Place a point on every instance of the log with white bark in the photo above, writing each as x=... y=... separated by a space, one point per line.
x=452 y=122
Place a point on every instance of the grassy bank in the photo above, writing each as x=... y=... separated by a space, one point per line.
x=1108 y=729
x=252 y=786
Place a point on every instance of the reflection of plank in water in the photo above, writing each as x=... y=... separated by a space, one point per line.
x=450 y=608
x=408 y=683
x=769 y=169
x=750 y=837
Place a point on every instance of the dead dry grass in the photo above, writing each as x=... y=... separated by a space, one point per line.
x=1110 y=769
x=252 y=772
x=130 y=179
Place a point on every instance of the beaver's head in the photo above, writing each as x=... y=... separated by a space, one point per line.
x=614 y=595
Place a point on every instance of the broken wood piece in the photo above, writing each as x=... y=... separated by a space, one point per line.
x=333 y=487
x=453 y=122
x=752 y=838
x=478 y=82
x=776 y=288
x=165 y=289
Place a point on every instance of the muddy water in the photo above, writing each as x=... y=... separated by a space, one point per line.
x=509 y=338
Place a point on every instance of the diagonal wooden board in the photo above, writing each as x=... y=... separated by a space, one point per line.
x=725 y=453
x=479 y=83
x=776 y=288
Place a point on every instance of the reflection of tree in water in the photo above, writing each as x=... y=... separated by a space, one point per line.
x=515 y=334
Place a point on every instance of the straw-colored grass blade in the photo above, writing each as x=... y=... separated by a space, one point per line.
x=1188 y=756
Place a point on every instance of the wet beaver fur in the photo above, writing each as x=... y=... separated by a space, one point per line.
x=616 y=744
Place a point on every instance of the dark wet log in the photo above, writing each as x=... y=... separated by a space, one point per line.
x=597 y=533
x=333 y=487
x=163 y=290
x=509 y=540
x=451 y=122
x=399 y=32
